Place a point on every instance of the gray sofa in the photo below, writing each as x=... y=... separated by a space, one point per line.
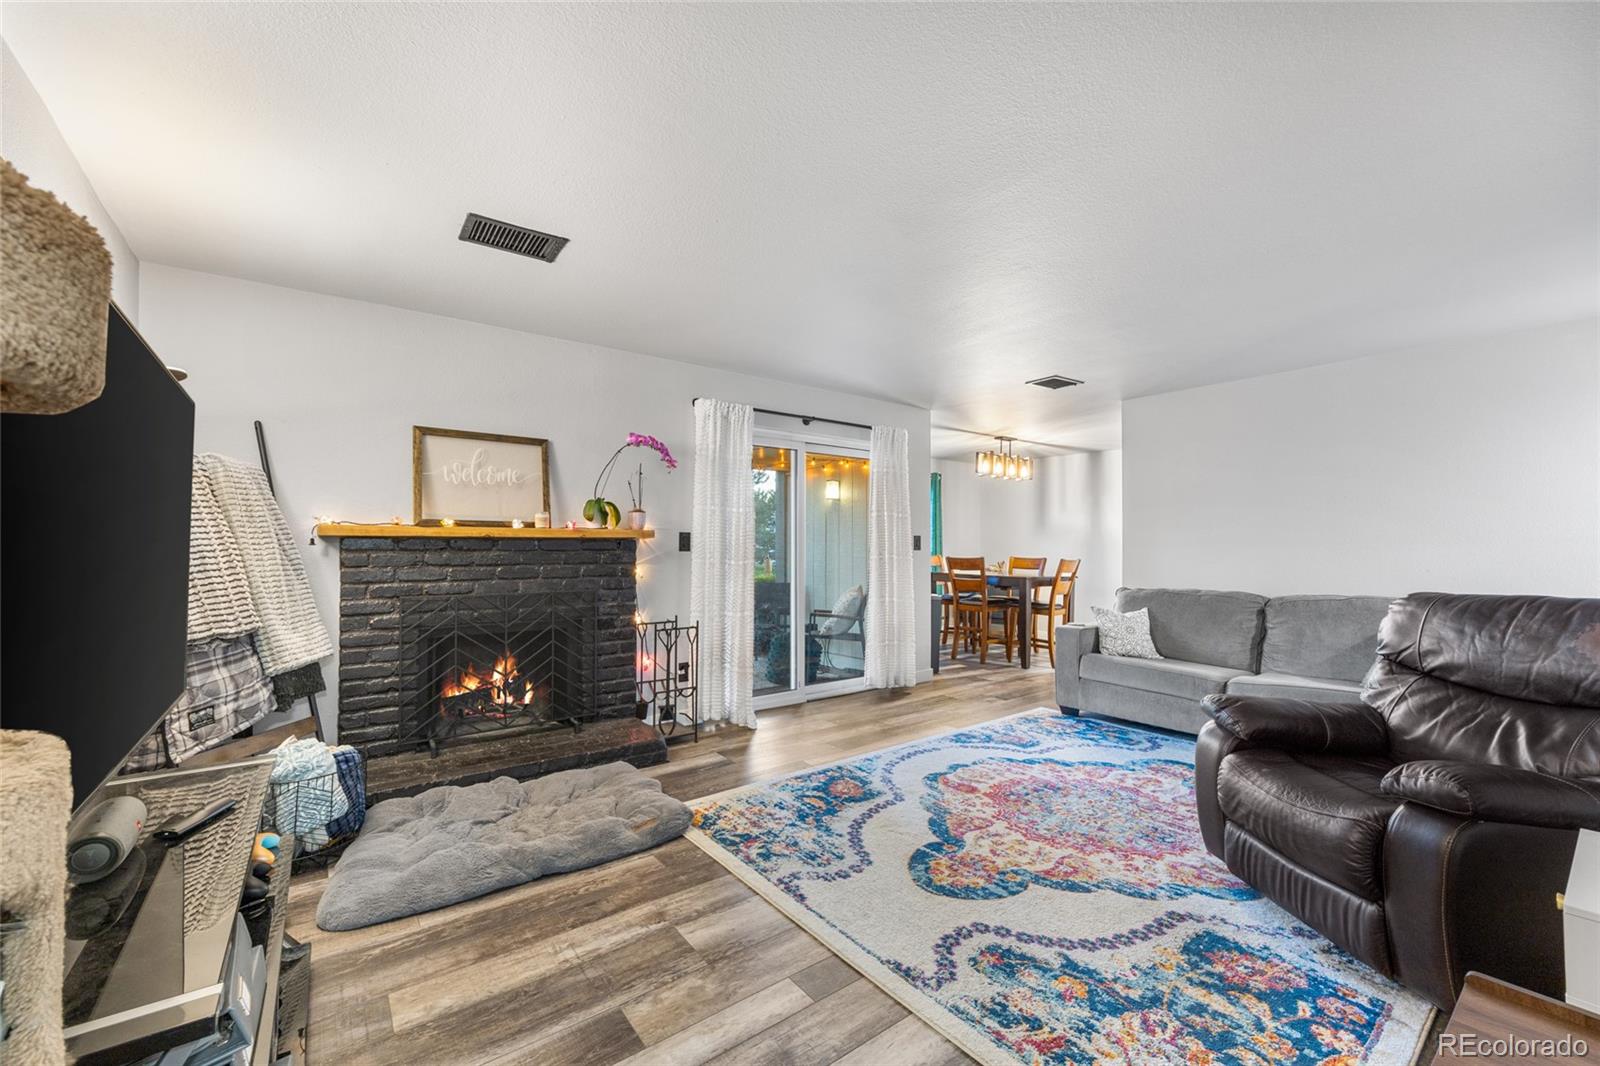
x=1300 y=647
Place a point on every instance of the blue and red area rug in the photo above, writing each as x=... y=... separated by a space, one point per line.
x=1036 y=889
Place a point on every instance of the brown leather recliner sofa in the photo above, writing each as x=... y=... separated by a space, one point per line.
x=1427 y=829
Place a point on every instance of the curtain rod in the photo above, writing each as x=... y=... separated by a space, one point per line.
x=804 y=419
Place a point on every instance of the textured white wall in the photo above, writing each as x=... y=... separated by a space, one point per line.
x=30 y=140
x=1464 y=467
x=339 y=384
x=1146 y=196
x=1071 y=509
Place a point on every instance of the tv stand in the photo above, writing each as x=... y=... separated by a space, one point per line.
x=158 y=952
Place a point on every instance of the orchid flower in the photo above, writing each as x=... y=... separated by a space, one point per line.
x=635 y=440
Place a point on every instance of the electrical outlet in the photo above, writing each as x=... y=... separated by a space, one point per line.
x=683 y=673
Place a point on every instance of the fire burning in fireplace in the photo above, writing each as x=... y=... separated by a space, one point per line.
x=498 y=691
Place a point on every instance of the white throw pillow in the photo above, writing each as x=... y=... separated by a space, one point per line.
x=844 y=613
x=1126 y=635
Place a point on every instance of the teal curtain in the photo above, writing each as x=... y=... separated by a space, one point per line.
x=936 y=506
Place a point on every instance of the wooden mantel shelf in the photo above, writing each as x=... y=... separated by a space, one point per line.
x=350 y=529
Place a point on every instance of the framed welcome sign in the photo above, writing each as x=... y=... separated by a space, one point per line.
x=477 y=479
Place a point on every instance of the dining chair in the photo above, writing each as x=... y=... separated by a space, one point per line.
x=973 y=608
x=1032 y=566
x=1056 y=602
x=946 y=593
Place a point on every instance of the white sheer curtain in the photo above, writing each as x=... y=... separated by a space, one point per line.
x=891 y=618
x=722 y=559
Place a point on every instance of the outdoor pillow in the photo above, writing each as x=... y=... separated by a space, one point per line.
x=844 y=613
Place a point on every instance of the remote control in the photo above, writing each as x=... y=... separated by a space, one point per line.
x=198 y=820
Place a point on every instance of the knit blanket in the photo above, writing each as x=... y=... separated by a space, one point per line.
x=305 y=792
x=292 y=633
x=219 y=591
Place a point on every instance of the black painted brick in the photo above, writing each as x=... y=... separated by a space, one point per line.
x=367 y=575
x=351 y=704
x=421 y=572
x=377 y=574
x=354 y=607
x=367 y=639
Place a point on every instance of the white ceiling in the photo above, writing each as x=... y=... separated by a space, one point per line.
x=930 y=203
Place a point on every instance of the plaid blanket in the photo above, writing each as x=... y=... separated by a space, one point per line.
x=353 y=778
x=224 y=692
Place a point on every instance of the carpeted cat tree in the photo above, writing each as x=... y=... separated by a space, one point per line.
x=35 y=805
x=55 y=292
x=55 y=289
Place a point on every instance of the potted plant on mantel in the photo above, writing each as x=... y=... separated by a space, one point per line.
x=600 y=512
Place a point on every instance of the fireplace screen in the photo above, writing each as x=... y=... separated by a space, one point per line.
x=476 y=666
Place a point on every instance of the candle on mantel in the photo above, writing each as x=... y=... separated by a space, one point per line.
x=447 y=521
x=516 y=523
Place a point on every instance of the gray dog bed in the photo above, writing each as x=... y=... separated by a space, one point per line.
x=451 y=843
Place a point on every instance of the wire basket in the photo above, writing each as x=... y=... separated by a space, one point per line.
x=319 y=812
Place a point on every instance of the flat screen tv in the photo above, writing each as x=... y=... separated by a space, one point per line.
x=94 y=561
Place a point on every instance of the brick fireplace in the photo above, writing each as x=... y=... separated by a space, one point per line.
x=463 y=657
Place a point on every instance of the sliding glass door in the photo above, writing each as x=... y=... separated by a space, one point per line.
x=835 y=584
x=772 y=470
x=811 y=568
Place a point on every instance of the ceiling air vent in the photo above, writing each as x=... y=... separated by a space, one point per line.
x=1054 y=381
x=508 y=238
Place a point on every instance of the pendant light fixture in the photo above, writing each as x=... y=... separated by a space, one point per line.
x=1004 y=464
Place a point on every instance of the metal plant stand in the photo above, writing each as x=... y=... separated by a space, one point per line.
x=669 y=672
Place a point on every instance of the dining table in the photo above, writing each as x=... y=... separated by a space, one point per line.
x=1024 y=584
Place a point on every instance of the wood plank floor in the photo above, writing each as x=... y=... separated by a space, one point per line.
x=659 y=958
